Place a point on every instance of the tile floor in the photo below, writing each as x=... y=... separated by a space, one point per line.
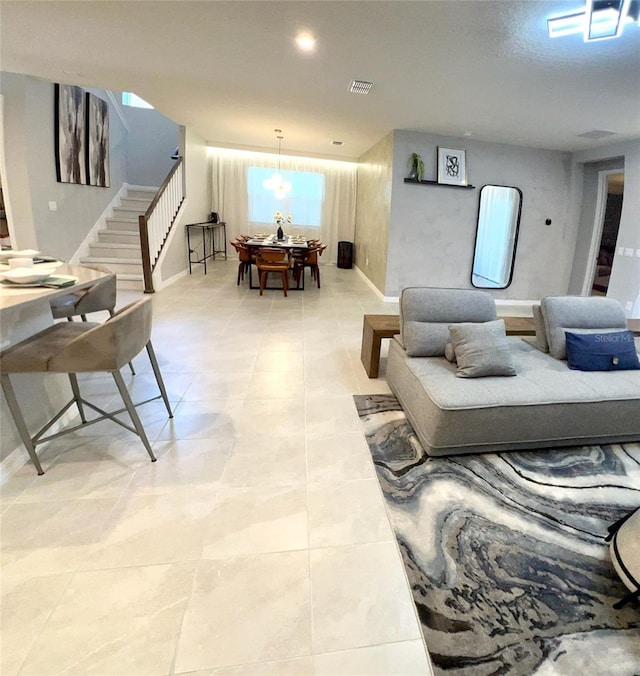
x=257 y=544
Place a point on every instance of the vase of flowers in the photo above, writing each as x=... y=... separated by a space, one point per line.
x=281 y=220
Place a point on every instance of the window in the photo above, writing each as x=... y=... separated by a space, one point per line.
x=133 y=100
x=304 y=201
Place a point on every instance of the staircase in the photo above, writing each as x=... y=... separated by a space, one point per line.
x=118 y=246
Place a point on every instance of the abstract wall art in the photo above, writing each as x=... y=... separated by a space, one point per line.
x=452 y=166
x=97 y=141
x=81 y=129
x=70 y=134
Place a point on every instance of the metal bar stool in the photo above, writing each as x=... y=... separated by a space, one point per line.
x=84 y=347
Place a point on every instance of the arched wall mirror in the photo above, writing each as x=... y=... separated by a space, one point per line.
x=496 y=236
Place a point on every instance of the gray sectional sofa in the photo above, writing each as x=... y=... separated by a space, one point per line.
x=545 y=404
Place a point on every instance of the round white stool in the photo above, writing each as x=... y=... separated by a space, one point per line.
x=625 y=554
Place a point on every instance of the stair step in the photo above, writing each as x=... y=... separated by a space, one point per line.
x=129 y=282
x=122 y=224
x=121 y=266
x=138 y=203
x=128 y=212
x=124 y=236
x=115 y=250
x=146 y=194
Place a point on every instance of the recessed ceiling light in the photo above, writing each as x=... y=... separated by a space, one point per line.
x=360 y=86
x=306 y=42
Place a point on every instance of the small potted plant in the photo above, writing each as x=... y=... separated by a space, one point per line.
x=416 y=168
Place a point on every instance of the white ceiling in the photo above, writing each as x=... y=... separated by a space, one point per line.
x=231 y=69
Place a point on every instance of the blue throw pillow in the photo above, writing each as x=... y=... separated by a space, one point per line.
x=602 y=351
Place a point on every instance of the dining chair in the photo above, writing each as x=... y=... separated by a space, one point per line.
x=273 y=260
x=84 y=347
x=99 y=297
x=244 y=256
x=310 y=260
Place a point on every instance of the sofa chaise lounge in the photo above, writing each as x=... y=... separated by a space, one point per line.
x=545 y=404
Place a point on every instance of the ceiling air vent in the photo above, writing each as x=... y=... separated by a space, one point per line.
x=337 y=143
x=597 y=133
x=360 y=87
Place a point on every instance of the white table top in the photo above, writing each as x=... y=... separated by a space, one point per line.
x=12 y=297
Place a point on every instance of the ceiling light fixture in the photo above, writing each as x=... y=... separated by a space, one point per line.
x=360 y=87
x=600 y=20
x=276 y=183
x=306 y=42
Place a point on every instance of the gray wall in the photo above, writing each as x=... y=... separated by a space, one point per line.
x=373 y=208
x=624 y=284
x=152 y=139
x=29 y=123
x=432 y=228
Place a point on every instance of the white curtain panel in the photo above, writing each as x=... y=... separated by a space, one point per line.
x=231 y=200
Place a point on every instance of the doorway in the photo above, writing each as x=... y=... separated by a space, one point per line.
x=605 y=232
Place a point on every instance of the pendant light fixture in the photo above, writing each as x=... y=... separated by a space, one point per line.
x=276 y=183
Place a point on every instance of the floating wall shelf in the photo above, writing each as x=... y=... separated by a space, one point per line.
x=441 y=185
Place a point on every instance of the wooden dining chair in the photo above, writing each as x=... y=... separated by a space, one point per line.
x=310 y=260
x=273 y=260
x=244 y=256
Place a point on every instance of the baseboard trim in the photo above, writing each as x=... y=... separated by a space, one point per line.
x=515 y=308
x=505 y=307
x=373 y=287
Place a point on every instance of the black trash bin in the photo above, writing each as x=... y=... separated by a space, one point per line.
x=345 y=254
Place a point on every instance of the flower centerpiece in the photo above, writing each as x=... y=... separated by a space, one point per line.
x=280 y=220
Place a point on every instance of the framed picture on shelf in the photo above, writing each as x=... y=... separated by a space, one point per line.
x=452 y=166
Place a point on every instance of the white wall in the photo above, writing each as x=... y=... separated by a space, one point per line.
x=432 y=228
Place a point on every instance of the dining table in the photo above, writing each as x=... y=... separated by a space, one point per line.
x=290 y=243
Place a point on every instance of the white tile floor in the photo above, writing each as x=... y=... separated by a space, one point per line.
x=257 y=544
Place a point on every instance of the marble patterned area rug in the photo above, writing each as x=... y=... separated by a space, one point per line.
x=505 y=552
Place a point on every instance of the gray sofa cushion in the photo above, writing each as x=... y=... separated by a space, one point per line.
x=426 y=313
x=567 y=313
x=541 y=330
x=545 y=405
x=482 y=349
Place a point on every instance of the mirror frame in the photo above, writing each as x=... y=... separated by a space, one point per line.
x=515 y=237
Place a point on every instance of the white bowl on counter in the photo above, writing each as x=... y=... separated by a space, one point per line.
x=28 y=275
